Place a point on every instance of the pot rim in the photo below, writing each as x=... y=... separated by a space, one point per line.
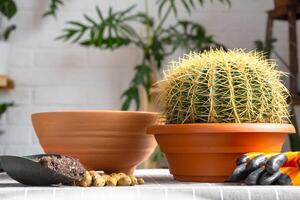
x=95 y=111
x=221 y=128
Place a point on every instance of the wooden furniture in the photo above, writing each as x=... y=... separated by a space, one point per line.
x=6 y=82
x=289 y=12
x=280 y=3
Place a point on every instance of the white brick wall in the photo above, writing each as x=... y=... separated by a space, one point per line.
x=50 y=75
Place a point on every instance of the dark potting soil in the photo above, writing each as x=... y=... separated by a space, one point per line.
x=71 y=168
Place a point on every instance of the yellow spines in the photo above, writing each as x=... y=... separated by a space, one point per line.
x=223 y=86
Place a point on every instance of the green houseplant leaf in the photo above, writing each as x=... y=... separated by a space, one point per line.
x=266 y=47
x=53 y=8
x=187 y=35
x=4 y=106
x=8 y=8
x=109 y=32
x=116 y=29
x=188 y=5
x=8 y=31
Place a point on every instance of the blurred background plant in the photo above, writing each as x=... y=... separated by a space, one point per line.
x=268 y=47
x=8 y=10
x=156 y=40
x=53 y=8
x=3 y=107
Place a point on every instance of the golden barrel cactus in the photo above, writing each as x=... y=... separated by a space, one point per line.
x=219 y=86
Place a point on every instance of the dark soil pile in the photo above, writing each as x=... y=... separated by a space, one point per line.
x=70 y=168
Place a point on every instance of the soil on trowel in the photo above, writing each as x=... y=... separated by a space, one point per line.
x=72 y=169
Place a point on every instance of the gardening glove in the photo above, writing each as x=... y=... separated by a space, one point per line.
x=289 y=176
x=248 y=163
x=284 y=176
x=267 y=168
x=282 y=169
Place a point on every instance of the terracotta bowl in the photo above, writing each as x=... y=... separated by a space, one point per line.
x=207 y=152
x=112 y=141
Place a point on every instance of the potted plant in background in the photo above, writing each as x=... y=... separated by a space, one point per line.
x=153 y=36
x=219 y=105
x=8 y=9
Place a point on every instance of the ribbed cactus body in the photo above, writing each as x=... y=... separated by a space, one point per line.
x=218 y=86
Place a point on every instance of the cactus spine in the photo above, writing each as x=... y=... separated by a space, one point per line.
x=223 y=86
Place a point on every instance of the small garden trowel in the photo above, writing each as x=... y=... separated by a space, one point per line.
x=27 y=170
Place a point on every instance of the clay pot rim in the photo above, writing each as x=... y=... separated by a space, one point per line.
x=221 y=128
x=119 y=112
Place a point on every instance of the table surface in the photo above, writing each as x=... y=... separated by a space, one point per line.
x=159 y=185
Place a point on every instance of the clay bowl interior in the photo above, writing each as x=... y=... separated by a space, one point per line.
x=111 y=141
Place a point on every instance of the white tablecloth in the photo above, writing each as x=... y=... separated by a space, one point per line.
x=159 y=185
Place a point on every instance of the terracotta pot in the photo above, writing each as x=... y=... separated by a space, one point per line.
x=112 y=141
x=207 y=152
